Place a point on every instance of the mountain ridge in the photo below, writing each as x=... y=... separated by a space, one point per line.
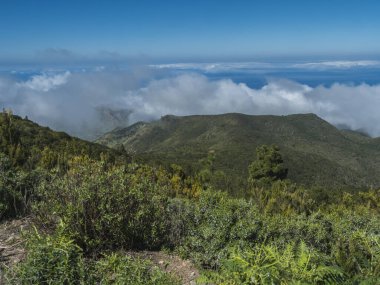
x=316 y=152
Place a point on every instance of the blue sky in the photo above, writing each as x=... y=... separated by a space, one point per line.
x=189 y=29
x=68 y=63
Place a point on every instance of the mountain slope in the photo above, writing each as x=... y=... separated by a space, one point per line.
x=315 y=152
x=26 y=142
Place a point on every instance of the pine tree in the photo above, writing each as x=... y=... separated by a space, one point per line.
x=267 y=168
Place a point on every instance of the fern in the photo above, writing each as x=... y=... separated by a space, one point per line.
x=269 y=264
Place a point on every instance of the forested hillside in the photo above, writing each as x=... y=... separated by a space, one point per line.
x=89 y=215
x=315 y=152
x=28 y=145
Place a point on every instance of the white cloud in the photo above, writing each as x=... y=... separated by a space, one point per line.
x=87 y=104
x=354 y=106
x=339 y=64
x=45 y=82
x=214 y=67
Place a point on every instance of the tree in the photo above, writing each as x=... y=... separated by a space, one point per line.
x=16 y=188
x=205 y=175
x=10 y=140
x=267 y=168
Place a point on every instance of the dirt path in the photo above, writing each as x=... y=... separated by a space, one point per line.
x=11 y=242
x=12 y=251
x=172 y=264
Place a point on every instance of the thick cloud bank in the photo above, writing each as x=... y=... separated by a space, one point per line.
x=90 y=103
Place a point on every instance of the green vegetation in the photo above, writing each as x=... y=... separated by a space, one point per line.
x=27 y=151
x=107 y=206
x=268 y=167
x=15 y=188
x=56 y=259
x=316 y=153
x=90 y=208
x=28 y=145
x=267 y=264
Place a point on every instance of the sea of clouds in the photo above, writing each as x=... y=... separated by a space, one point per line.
x=89 y=103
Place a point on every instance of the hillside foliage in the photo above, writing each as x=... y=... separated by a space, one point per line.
x=316 y=153
x=90 y=209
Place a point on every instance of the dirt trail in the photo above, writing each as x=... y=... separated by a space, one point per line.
x=11 y=242
x=172 y=264
x=12 y=251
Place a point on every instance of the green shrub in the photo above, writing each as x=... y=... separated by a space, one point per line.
x=316 y=230
x=267 y=264
x=107 y=207
x=358 y=253
x=56 y=260
x=16 y=189
x=180 y=219
x=50 y=260
x=282 y=197
x=219 y=222
x=117 y=269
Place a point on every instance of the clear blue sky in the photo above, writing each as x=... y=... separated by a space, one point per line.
x=191 y=28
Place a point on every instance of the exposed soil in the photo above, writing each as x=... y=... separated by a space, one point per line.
x=172 y=264
x=12 y=251
x=11 y=241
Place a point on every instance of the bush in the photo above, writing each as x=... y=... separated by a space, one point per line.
x=218 y=223
x=267 y=264
x=107 y=207
x=120 y=269
x=282 y=197
x=358 y=253
x=16 y=189
x=50 y=260
x=56 y=260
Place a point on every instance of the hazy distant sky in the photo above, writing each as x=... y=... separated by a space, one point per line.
x=191 y=28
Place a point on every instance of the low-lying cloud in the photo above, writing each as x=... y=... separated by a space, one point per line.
x=45 y=83
x=215 y=67
x=248 y=67
x=91 y=103
x=340 y=64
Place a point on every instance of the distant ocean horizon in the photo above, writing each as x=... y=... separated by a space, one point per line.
x=257 y=74
x=253 y=74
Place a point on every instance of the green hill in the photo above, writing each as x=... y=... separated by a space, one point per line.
x=316 y=153
x=26 y=143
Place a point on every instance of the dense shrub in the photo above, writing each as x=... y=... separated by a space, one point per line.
x=282 y=197
x=218 y=223
x=57 y=260
x=120 y=269
x=358 y=254
x=278 y=233
x=341 y=243
x=267 y=264
x=16 y=188
x=315 y=230
x=51 y=259
x=108 y=206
